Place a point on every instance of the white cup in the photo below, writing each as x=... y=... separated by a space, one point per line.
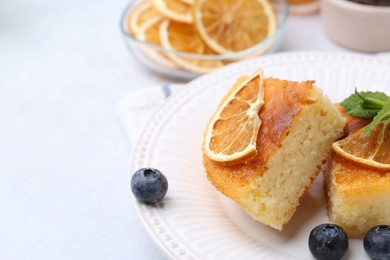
x=357 y=26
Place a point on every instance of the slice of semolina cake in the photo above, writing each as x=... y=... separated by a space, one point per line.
x=358 y=197
x=298 y=126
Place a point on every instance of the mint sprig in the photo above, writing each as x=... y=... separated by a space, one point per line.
x=374 y=105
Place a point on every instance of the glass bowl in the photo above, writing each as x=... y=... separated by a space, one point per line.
x=177 y=64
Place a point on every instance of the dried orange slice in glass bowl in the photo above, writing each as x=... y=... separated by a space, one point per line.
x=142 y=13
x=177 y=10
x=190 y=62
x=231 y=134
x=184 y=38
x=372 y=151
x=234 y=25
x=149 y=32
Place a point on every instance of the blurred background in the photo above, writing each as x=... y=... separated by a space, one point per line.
x=64 y=181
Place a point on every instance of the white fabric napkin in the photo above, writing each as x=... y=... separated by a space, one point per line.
x=136 y=107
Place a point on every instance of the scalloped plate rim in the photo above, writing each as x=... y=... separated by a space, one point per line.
x=197 y=85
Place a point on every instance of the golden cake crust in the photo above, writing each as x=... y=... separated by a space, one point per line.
x=357 y=196
x=356 y=178
x=353 y=179
x=283 y=100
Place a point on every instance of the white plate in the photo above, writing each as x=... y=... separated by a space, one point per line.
x=195 y=221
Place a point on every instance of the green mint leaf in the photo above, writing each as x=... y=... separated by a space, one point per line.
x=373 y=103
x=375 y=99
x=374 y=95
x=354 y=105
x=382 y=115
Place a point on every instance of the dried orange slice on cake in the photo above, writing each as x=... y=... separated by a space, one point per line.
x=234 y=25
x=177 y=10
x=372 y=151
x=184 y=38
x=141 y=13
x=232 y=131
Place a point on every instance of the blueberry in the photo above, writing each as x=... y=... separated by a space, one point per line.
x=328 y=242
x=149 y=185
x=376 y=242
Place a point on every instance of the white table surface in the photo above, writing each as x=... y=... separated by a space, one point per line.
x=64 y=185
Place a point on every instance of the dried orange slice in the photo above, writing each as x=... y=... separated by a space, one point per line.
x=140 y=14
x=149 y=32
x=372 y=150
x=234 y=25
x=176 y=10
x=232 y=131
x=184 y=38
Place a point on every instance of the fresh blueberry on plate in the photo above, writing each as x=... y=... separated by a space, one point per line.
x=328 y=242
x=376 y=242
x=149 y=185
